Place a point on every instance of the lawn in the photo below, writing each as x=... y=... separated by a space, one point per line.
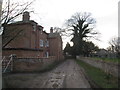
x=98 y=76
x=114 y=60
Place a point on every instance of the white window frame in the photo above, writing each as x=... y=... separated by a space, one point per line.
x=47 y=43
x=47 y=54
x=41 y=43
x=34 y=27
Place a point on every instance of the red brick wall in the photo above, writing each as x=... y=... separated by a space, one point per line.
x=23 y=39
x=56 y=47
x=30 y=38
x=53 y=46
x=23 y=53
x=31 y=64
x=60 y=51
x=42 y=36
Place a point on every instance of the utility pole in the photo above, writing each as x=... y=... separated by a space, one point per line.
x=1 y=1
x=119 y=34
x=118 y=19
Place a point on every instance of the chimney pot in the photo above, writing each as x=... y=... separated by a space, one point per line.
x=26 y=16
x=51 y=30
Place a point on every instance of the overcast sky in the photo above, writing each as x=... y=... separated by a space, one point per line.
x=52 y=13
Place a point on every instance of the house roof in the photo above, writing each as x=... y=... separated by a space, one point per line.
x=102 y=52
x=53 y=35
x=32 y=22
x=23 y=22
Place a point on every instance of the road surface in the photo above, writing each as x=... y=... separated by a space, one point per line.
x=66 y=75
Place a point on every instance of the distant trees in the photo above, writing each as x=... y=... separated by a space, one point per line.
x=68 y=49
x=87 y=49
x=115 y=46
x=81 y=26
x=59 y=30
x=10 y=12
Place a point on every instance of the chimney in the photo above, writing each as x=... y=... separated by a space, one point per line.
x=51 y=30
x=26 y=16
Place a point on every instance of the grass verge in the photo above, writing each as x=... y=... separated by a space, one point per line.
x=98 y=76
x=114 y=60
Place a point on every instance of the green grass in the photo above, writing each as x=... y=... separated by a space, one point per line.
x=98 y=76
x=114 y=60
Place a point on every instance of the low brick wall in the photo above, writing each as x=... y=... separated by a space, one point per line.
x=22 y=52
x=31 y=64
x=108 y=67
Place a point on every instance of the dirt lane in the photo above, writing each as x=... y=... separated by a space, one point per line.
x=74 y=77
x=66 y=75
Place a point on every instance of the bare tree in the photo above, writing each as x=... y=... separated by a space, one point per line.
x=115 y=46
x=10 y=12
x=59 y=30
x=81 y=26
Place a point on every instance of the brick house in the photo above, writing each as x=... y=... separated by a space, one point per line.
x=32 y=41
